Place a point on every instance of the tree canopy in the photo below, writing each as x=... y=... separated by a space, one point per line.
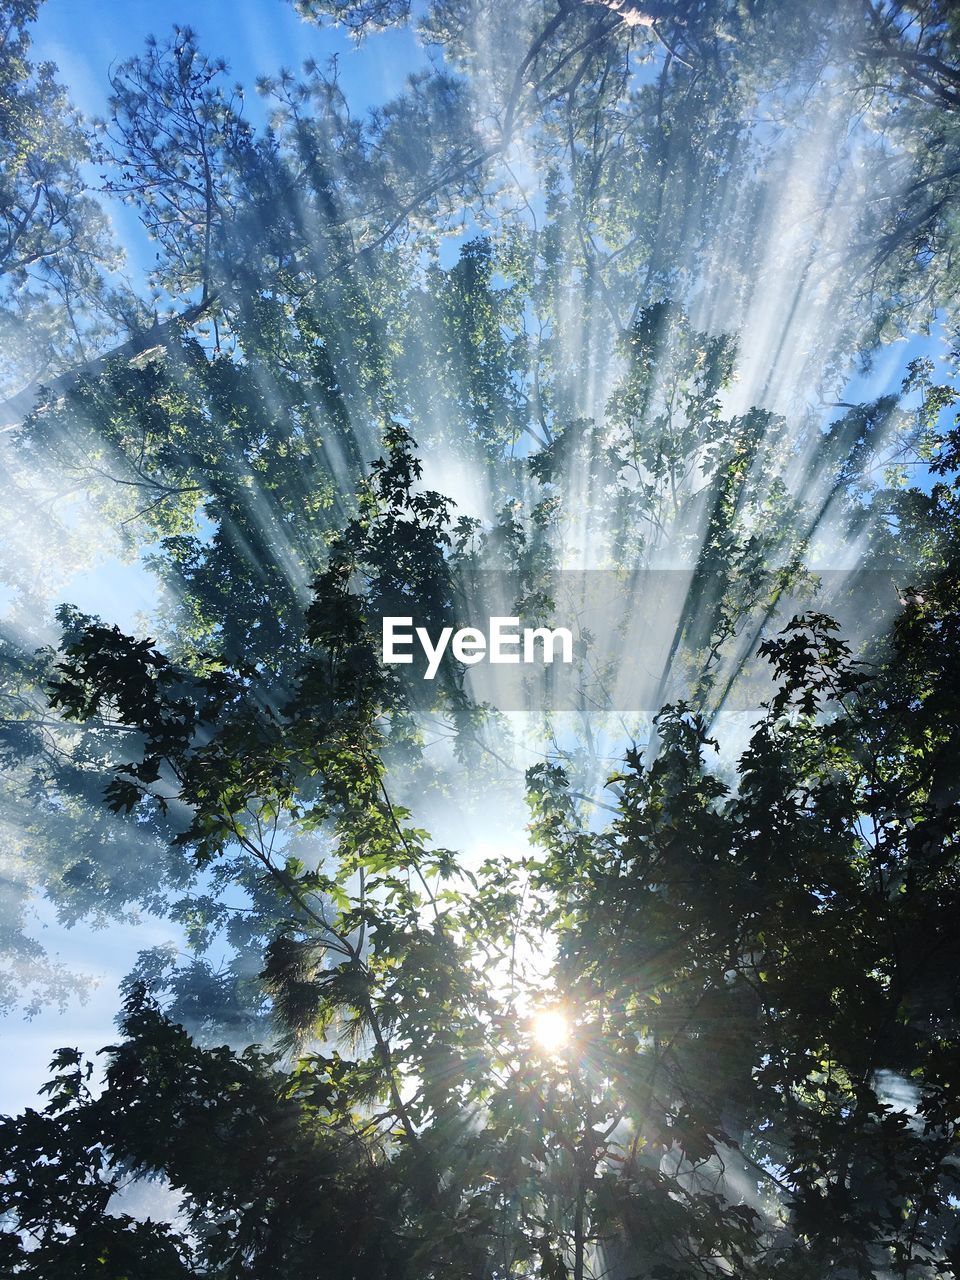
x=657 y=981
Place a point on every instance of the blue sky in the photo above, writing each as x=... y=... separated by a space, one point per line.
x=256 y=37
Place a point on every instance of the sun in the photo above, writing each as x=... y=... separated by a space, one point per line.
x=551 y=1030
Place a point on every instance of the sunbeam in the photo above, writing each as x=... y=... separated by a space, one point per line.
x=478 y=616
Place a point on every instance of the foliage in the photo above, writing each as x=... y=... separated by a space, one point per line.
x=512 y=320
x=54 y=241
x=744 y=971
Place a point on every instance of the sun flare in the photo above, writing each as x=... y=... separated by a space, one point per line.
x=551 y=1030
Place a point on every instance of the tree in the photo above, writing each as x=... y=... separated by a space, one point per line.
x=724 y=1099
x=736 y=1011
x=749 y=959
x=55 y=248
